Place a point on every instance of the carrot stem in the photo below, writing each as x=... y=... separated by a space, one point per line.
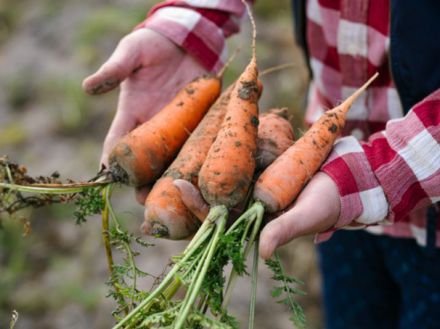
x=207 y=223
x=254 y=214
x=255 y=208
x=146 y=303
x=48 y=190
x=254 y=29
x=254 y=281
x=194 y=286
x=171 y=290
x=106 y=239
x=105 y=231
x=276 y=68
x=193 y=291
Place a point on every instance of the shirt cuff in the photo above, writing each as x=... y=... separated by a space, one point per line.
x=193 y=31
x=363 y=200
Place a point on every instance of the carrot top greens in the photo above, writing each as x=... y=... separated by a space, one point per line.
x=199 y=270
x=287 y=291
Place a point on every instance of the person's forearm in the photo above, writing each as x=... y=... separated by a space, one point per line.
x=395 y=172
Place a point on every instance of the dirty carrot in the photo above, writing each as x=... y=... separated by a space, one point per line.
x=284 y=179
x=275 y=135
x=142 y=155
x=226 y=175
x=166 y=215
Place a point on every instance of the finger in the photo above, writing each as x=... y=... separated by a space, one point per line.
x=192 y=198
x=123 y=122
x=142 y=193
x=316 y=210
x=282 y=230
x=124 y=60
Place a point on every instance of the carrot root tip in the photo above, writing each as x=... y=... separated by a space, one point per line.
x=159 y=231
x=118 y=174
x=156 y=229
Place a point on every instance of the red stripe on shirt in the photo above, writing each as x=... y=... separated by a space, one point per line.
x=412 y=196
x=428 y=113
x=379 y=152
x=199 y=49
x=330 y=4
x=379 y=15
x=342 y=174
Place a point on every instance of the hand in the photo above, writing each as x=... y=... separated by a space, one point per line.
x=316 y=210
x=151 y=69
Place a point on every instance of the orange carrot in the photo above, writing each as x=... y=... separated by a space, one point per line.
x=284 y=179
x=275 y=135
x=192 y=155
x=227 y=172
x=142 y=155
x=166 y=215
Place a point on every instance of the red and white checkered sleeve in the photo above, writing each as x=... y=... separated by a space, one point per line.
x=198 y=26
x=395 y=172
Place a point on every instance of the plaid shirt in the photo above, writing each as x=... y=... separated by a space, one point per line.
x=387 y=168
x=198 y=26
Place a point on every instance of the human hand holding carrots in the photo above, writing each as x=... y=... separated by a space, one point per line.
x=151 y=70
x=315 y=210
x=291 y=178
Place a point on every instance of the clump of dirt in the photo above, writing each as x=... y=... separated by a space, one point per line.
x=13 y=199
x=13 y=173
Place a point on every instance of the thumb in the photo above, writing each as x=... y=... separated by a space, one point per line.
x=296 y=222
x=316 y=210
x=278 y=232
x=122 y=123
x=124 y=60
x=192 y=198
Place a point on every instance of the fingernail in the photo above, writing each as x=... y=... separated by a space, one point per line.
x=104 y=86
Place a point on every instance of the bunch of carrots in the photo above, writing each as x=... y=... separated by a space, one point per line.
x=235 y=158
x=220 y=158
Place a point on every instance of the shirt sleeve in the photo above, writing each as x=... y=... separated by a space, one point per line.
x=396 y=171
x=198 y=26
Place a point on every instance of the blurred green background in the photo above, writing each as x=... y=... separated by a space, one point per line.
x=55 y=277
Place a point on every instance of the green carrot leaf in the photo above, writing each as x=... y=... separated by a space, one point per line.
x=286 y=291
